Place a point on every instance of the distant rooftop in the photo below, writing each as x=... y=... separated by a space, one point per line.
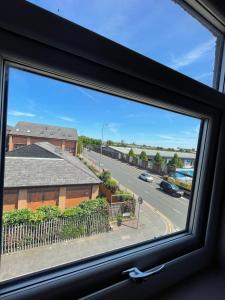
x=9 y=127
x=44 y=130
x=43 y=164
x=150 y=152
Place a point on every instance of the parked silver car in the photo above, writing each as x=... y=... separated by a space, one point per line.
x=146 y=177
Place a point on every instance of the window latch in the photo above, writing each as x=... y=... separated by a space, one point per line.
x=136 y=275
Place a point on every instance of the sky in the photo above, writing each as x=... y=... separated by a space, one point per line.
x=159 y=29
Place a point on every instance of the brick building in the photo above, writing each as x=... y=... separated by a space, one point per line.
x=25 y=133
x=40 y=174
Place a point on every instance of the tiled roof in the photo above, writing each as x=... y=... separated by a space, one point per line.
x=44 y=130
x=57 y=168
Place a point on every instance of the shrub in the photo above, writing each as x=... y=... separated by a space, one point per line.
x=37 y=217
x=105 y=175
x=91 y=206
x=49 y=212
x=119 y=219
x=44 y=213
x=17 y=216
x=111 y=184
x=73 y=212
x=124 y=196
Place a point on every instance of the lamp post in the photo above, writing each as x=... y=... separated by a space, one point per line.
x=100 y=157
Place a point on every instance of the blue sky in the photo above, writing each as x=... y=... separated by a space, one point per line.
x=158 y=29
x=39 y=99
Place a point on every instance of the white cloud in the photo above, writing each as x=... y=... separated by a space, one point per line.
x=165 y=136
x=65 y=118
x=17 y=113
x=192 y=55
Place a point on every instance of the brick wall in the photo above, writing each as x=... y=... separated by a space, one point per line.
x=10 y=199
x=64 y=197
x=15 y=141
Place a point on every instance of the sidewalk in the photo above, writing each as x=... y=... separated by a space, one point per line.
x=24 y=262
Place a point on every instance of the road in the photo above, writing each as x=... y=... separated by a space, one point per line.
x=175 y=209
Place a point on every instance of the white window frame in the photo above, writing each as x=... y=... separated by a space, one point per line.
x=39 y=47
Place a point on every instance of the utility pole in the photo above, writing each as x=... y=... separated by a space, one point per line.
x=100 y=157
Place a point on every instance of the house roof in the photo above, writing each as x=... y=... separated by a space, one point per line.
x=9 y=127
x=44 y=130
x=150 y=152
x=50 y=168
x=32 y=150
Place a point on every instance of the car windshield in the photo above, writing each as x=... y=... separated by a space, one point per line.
x=174 y=187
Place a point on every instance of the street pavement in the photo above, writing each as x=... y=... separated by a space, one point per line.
x=131 y=232
x=175 y=209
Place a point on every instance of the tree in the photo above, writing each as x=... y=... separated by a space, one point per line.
x=109 y=143
x=143 y=156
x=122 y=143
x=158 y=159
x=176 y=161
x=79 y=147
x=87 y=141
x=131 y=153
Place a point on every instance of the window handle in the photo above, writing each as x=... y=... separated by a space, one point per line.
x=136 y=275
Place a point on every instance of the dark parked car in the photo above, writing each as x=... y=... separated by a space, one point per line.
x=171 y=189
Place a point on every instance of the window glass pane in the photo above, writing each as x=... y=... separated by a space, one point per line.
x=161 y=30
x=87 y=173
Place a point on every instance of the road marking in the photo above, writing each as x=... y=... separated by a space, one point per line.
x=182 y=202
x=147 y=192
x=176 y=210
x=168 y=223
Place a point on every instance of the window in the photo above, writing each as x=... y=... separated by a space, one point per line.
x=40 y=164
x=148 y=29
x=56 y=189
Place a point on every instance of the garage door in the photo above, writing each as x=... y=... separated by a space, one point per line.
x=10 y=199
x=42 y=197
x=75 y=195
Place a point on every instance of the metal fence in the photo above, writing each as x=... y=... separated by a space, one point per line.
x=121 y=208
x=26 y=236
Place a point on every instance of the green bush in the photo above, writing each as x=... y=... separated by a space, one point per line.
x=37 y=216
x=112 y=184
x=73 y=212
x=105 y=175
x=124 y=196
x=17 y=216
x=92 y=206
x=49 y=212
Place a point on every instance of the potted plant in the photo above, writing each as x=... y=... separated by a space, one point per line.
x=119 y=219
